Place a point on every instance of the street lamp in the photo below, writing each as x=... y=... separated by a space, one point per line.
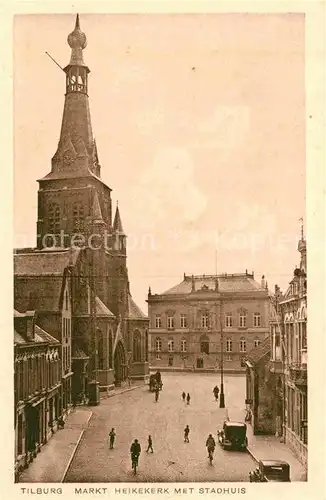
x=222 y=399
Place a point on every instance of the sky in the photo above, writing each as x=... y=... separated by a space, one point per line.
x=200 y=128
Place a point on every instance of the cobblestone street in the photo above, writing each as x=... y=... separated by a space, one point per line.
x=135 y=415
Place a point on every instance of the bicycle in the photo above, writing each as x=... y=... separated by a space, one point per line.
x=134 y=463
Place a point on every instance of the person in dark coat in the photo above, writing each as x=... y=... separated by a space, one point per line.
x=186 y=434
x=150 y=444
x=216 y=392
x=183 y=395
x=188 y=398
x=112 y=438
x=135 y=450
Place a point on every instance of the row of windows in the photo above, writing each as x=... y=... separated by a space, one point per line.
x=35 y=374
x=205 y=320
x=204 y=345
x=200 y=361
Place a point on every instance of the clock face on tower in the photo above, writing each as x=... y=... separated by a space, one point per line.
x=68 y=157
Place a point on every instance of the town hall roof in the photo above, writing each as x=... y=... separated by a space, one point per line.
x=224 y=282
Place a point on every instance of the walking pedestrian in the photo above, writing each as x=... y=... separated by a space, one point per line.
x=112 y=438
x=183 y=395
x=186 y=434
x=150 y=444
x=216 y=392
x=188 y=398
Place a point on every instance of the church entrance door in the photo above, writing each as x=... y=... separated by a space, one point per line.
x=120 y=365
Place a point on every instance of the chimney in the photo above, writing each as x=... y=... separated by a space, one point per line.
x=30 y=325
x=192 y=283
x=263 y=284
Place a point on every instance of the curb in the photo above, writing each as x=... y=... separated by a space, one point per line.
x=252 y=454
x=72 y=456
x=122 y=392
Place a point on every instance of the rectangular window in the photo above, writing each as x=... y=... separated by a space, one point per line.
x=229 y=345
x=257 y=342
x=183 y=321
x=158 y=345
x=171 y=345
x=243 y=346
x=183 y=346
x=257 y=320
x=243 y=320
x=158 y=357
x=205 y=320
x=228 y=320
x=228 y=357
x=158 y=321
x=170 y=321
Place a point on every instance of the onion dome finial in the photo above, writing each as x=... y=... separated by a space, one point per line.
x=77 y=41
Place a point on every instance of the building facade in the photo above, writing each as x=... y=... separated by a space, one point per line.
x=203 y=318
x=293 y=308
x=77 y=276
x=276 y=379
x=38 y=387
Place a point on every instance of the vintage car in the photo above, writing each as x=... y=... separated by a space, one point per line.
x=270 y=470
x=233 y=435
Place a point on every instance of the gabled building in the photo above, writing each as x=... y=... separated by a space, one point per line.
x=192 y=323
x=294 y=316
x=37 y=384
x=77 y=275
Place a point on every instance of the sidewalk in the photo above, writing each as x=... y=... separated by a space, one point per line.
x=51 y=464
x=120 y=390
x=270 y=447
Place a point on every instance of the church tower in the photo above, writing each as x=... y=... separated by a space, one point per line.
x=72 y=197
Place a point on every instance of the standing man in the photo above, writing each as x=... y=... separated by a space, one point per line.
x=186 y=434
x=150 y=444
x=112 y=438
x=188 y=398
x=216 y=392
x=183 y=395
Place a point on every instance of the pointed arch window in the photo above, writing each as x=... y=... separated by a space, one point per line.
x=54 y=218
x=110 y=349
x=146 y=345
x=78 y=214
x=100 y=350
x=136 y=346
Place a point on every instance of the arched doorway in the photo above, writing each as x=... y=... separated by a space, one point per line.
x=120 y=365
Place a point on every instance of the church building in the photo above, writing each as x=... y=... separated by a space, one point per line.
x=76 y=278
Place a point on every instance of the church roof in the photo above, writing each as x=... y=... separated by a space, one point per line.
x=226 y=283
x=258 y=353
x=101 y=309
x=44 y=262
x=39 y=278
x=134 y=312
